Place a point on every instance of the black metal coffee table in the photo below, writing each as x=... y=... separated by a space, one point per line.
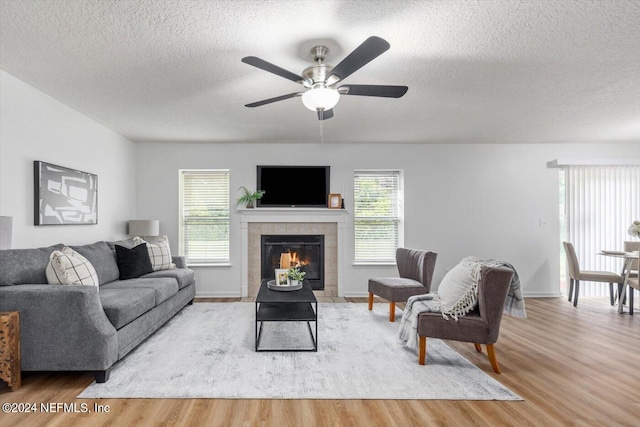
x=293 y=306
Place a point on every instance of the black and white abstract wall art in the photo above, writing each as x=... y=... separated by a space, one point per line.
x=64 y=196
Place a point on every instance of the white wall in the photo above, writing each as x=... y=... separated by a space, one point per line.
x=34 y=126
x=483 y=200
x=460 y=200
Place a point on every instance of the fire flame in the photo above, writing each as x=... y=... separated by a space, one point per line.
x=291 y=259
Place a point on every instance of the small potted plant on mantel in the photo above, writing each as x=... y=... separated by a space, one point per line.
x=295 y=275
x=249 y=197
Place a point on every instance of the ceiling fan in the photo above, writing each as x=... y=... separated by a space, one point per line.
x=320 y=79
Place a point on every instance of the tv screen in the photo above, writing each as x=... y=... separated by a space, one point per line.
x=293 y=186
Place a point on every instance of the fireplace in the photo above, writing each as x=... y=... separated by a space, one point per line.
x=282 y=251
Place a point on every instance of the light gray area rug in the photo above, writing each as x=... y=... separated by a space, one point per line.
x=207 y=351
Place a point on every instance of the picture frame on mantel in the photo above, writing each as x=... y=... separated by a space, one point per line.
x=64 y=196
x=335 y=201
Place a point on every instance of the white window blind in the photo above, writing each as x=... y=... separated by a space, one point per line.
x=377 y=215
x=204 y=216
x=601 y=203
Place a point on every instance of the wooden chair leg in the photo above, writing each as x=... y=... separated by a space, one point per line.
x=631 y=291
x=478 y=347
x=492 y=358
x=422 y=353
x=576 y=293
x=392 y=311
x=370 y=301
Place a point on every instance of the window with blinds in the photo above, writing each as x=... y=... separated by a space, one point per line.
x=377 y=215
x=204 y=216
x=600 y=202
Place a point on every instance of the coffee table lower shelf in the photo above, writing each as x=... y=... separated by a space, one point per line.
x=287 y=312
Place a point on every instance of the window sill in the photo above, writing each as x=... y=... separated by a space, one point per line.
x=374 y=264
x=210 y=265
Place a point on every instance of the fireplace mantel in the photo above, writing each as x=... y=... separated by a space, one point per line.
x=292 y=215
x=287 y=216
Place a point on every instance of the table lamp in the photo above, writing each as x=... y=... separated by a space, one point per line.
x=144 y=227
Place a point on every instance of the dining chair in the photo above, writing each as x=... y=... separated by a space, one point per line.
x=576 y=275
x=632 y=280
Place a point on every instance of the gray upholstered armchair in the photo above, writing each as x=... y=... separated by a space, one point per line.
x=415 y=268
x=480 y=326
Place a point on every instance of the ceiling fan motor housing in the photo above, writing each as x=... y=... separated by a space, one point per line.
x=316 y=74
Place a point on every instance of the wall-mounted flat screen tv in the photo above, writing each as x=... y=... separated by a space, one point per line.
x=293 y=186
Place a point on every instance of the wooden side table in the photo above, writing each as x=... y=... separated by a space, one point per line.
x=10 y=348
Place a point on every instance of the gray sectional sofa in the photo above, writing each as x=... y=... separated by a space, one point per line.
x=85 y=328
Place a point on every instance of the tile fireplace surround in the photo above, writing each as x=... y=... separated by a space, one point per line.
x=259 y=221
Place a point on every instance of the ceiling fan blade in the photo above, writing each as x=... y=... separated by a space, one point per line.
x=276 y=99
x=325 y=114
x=370 y=49
x=267 y=66
x=373 y=90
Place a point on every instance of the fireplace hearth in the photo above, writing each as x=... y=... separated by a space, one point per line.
x=288 y=250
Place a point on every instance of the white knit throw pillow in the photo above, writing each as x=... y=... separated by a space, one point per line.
x=159 y=253
x=68 y=267
x=458 y=290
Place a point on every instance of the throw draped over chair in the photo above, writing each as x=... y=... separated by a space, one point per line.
x=415 y=268
x=480 y=326
x=576 y=275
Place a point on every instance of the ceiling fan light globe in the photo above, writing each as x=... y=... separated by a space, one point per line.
x=320 y=99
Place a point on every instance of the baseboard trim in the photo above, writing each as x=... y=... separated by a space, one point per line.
x=536 y=294
x=218 y=295
x=533 y=294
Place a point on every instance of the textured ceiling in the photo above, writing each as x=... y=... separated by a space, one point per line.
x=477 y=71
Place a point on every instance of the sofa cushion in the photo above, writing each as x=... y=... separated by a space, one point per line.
x=159 y=253
x=25 y=266
x=68 y=267
x=163 y=287
x=184 y=276
x=133 y=262
x=458 y=290
x=127 y=243
x=125 y=305
x=102 y=258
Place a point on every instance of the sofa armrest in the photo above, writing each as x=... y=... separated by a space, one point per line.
x=179 y=261
x=61 y=327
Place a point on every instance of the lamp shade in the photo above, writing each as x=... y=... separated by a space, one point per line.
x=320 y=98
x=144 y=227
x=6 y=232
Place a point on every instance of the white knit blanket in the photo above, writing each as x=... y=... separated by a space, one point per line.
x=430 y=303
x=408 y=331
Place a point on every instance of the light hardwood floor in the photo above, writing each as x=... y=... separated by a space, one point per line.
x=572 y=366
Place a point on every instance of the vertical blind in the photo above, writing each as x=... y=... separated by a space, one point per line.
x=204 y=216
x=601 y=203
x=377 y=215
